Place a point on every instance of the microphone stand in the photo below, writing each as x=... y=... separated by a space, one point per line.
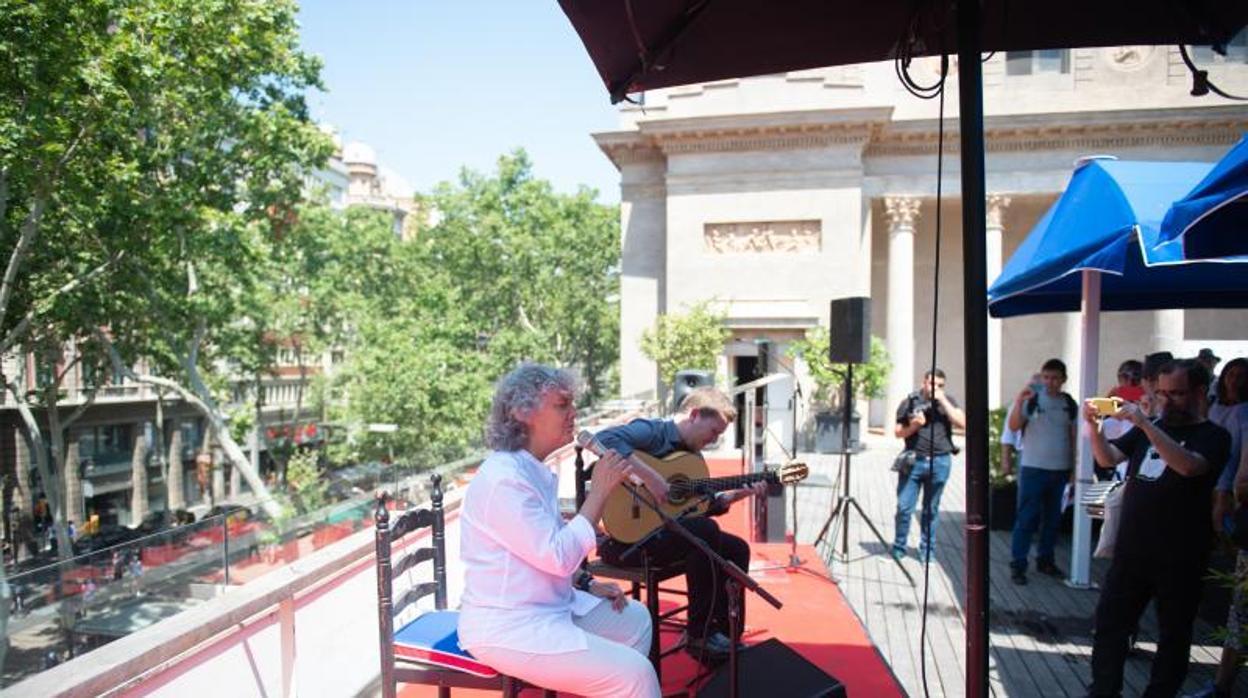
x=735 y=579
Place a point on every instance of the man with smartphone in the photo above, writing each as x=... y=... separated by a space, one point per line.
x=1164 y=535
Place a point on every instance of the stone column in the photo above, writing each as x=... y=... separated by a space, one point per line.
x=175 y=493
x=1167 y=332
x=643 y=262
x=218 y=474
x=138 y=481
x=902 y=211
x=995 y=227
x=75 y=508
x=1072 y=351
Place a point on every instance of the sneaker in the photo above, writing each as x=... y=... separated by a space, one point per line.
x=1019 y=577
x=897 y=554
x=712 y=649
x=1047 y=567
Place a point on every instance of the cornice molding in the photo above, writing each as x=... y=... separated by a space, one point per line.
x=1073 y=131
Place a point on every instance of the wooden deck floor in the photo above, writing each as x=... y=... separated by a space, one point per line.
x=1041 y=633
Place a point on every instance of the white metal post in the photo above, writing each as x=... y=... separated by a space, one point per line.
x=1081 y=545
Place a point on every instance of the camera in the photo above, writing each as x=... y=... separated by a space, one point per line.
x=920 y=406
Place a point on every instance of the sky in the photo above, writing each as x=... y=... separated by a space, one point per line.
x=436 y=86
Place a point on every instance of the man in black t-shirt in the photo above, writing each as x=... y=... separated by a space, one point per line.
x=1164 y=533
x=925 y=419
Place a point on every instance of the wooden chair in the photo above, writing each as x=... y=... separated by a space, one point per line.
x=424 y=650
x=641 y=576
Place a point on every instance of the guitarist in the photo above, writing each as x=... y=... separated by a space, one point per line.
x=704 y=415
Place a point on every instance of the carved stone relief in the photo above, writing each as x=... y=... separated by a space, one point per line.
x=1127 y=58
x=763 y=237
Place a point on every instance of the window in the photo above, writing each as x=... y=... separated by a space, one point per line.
x=1236 y=52
x=106 y=444
x=1036 y=62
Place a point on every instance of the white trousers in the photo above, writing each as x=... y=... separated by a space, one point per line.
x=615 y=663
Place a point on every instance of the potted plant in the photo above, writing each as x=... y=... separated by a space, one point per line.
x=1003 y=488
x=828 y=400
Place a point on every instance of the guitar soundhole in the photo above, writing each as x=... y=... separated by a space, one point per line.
x=679 y=489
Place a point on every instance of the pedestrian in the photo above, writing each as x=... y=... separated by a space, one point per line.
x=1164 y=535
x=925 y=420
x=1046 y=416
x=1231 y=413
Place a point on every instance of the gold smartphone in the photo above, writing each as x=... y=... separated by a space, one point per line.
x=1105 y=406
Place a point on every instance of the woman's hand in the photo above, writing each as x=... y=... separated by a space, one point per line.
x=609 y=471
x=609 y=590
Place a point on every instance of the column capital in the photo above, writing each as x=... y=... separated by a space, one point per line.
x=902 y=211
x=996 y=205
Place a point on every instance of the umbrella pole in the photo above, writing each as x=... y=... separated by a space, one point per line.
x=1081 y=545
x=975 y=342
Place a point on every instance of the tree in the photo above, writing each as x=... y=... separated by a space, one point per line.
x=536 y=272
x=692 y=340
x=870 y=379
x=148 y=152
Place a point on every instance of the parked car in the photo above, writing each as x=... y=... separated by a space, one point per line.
x=107 y=537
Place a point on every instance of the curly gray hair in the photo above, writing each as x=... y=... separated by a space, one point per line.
x=521 y=390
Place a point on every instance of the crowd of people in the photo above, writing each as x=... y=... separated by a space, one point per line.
x=1174 y=438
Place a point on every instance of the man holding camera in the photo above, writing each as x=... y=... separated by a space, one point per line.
x=925 y=419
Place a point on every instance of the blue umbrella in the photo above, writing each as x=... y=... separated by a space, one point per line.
x=1212 y=220
x=1109 y=220
x=1097 y=248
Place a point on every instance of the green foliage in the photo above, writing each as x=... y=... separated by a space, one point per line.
x=532 y=274
x=304 y=482
x=870 y=379
x=512 y=271
x=996 y=425
x=692 y=340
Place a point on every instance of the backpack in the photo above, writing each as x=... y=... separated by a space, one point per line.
x=1072 y=407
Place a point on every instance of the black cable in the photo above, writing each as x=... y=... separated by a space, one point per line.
x=931 y=434
x=1201 y=84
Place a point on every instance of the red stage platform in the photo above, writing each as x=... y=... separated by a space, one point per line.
x=815 y=620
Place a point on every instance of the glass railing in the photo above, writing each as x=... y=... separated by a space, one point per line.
x=51 y=610
x=55 y=610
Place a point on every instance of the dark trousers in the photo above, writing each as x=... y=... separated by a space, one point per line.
x=708 y=603
x=1132 y=581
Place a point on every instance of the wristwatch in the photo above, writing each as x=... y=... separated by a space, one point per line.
x=582 y=579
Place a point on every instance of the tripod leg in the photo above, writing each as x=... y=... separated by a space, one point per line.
x=879 y=537
x=831 y=517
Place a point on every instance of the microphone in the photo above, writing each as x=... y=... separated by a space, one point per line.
x=586 y=440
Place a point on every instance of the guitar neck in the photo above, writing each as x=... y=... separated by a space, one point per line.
x=731 y=482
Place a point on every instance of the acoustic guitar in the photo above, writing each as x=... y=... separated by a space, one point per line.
x=687 y=476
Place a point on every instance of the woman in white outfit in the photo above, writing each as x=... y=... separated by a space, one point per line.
x=520 y=612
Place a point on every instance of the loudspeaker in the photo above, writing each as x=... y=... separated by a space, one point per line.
x=771 y=669
x=687 y=381
x=850 y=330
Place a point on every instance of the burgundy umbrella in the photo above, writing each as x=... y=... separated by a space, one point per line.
x=647 y=44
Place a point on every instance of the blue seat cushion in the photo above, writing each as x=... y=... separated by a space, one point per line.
x=432 y=638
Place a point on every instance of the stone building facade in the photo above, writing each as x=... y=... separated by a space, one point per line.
x=775 y=194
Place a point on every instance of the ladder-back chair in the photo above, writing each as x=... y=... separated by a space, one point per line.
x=425 y=650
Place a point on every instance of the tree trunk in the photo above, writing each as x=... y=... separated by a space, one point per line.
x=221 y=432
x=174 y=490
x=138 y=482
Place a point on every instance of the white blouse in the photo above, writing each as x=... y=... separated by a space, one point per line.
x=519 y=556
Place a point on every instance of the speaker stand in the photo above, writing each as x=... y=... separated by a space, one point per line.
x=845 y=502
